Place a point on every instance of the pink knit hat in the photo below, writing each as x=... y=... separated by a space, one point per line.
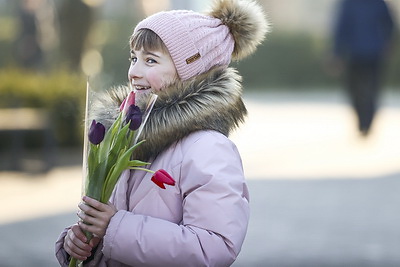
x=198 y=42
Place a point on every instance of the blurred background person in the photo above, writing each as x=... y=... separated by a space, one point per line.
x=362 y=35
x=35 y=39
x=28 y=50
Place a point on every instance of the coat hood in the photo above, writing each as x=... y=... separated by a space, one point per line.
x=210 y=101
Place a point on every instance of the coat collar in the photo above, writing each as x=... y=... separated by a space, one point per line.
x=210 y=101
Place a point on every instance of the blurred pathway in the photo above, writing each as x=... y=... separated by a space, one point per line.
x=313 y=136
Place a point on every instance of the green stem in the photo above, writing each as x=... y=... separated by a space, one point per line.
x=73 y=263
x=141 y=169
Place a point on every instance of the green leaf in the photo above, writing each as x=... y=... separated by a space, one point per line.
x=136 y=163
x=96 y=182
x=109 y=138
x=115 y=172
x=95 y=173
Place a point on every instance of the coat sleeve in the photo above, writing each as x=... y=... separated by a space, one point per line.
x=215 y=214
x=61 y=255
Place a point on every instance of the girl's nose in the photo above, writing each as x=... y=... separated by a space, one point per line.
x=134 y=71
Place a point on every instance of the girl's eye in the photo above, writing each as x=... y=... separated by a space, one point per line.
x=151 y=61
x=132 y=59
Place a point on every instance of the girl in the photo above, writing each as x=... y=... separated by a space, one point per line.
x=183 y=57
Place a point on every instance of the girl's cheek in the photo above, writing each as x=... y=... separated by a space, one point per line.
x=155 y=80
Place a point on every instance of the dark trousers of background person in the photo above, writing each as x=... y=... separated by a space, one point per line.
x=363 y=83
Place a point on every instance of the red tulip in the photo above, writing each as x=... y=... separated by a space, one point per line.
x=128 y=101
x=162 y=177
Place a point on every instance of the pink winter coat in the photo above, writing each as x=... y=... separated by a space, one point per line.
x=201 y=221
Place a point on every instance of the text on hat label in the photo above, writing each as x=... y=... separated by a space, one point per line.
x=193 y=58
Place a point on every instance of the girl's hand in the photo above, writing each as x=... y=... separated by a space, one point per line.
x=75 y=243
x=95 y=216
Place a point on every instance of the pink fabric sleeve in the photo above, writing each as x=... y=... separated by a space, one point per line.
x=61 y=255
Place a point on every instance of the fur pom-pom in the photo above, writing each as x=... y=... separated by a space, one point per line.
x=246 y=22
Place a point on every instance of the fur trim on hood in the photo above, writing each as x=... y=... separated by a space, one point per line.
x=210 y=101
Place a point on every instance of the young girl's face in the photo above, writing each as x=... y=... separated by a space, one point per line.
x=150 y=70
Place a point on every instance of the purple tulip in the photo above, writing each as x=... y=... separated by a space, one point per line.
x=134 y=117
x=96 y=132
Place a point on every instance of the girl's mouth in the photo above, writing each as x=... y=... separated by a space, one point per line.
x=139 y=87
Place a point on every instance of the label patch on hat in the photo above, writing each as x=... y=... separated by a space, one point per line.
x=193 y=58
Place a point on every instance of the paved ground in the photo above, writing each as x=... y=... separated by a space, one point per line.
x=320 y=195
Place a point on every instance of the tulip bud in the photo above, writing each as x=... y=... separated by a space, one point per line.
x=121 y=108
x=162 y=177
x=96 y=132
x=134 y=117
x=128 y=101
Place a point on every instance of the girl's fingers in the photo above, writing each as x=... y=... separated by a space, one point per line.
x=88 y=209
x=111 y=206
x=75 y=251
x=75 y=233
x=95 y=215
x=74 y=244
x=94 y=203
x=86 y=218
x=94 y=241
x=94 y=229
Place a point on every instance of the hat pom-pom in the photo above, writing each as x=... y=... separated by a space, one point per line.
x=246 y=22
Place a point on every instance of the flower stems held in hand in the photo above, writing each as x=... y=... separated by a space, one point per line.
x=109 y=154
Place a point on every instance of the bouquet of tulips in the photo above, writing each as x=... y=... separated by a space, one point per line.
x=107 y=153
